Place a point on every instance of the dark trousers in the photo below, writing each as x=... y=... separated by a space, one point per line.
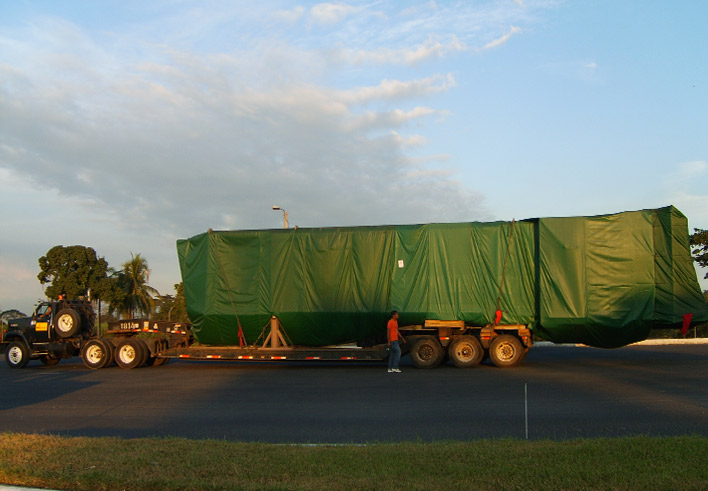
x=394 y=358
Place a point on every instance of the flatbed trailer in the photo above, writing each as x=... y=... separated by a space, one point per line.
x=138 y=342
x=135 y=343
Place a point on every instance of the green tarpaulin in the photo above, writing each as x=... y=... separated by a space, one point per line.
x=603 y=281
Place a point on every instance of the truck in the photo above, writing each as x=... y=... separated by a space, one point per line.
x=464 y=291
x=63 y=328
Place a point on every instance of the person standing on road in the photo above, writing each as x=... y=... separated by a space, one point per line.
x=394 y=340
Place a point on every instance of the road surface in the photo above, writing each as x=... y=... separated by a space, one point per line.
x=571 y=392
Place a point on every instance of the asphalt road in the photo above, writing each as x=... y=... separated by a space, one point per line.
x=572 y=392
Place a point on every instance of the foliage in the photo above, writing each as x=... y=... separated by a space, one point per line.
x=8 y=315
x=699 y=247
x=132 y=295
x=172 y=308
x=11 y=314
x=73 y=271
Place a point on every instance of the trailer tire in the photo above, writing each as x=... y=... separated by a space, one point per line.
x=426 y=352
x=506 y=351
x=111 y=348
x=96 y=354
x=466 y=352
x=17 y=354
x=67 y=323
x=131 y=353
x=145 y=352
x=49 y=360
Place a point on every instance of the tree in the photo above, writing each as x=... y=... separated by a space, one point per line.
x=8 y=315
x=134 y=295
x=73 y=271
x=699 y=247
x=172 y=308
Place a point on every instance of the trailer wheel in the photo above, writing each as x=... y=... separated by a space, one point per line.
x=506 y=351
x=111 y=349
x=466 y=352
x=96 y=354
x=145 y=351
x=49 y=360
x=131 y=353
x=17 y=354
x=67 y=323
x=427 y=352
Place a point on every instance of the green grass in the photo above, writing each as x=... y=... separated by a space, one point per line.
x=175 y=463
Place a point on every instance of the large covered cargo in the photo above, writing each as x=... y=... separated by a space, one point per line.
x=603 y=281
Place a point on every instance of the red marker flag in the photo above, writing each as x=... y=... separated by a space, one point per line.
x=686 y=323
x=241 y=337
x=497 y=317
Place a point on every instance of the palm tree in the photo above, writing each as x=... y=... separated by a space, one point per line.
x=133 y=280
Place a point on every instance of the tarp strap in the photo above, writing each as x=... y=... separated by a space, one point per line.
x=241 y=337
x=497 y=314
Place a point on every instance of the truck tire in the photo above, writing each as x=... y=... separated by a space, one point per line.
x=17 y=354
x=466 y=352
x=506 y=351
x=131 y=353
x=67 y=323
x=96 y=354
x=49 y=360
x=426 y=352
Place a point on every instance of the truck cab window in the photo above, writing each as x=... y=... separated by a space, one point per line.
x=43 y=311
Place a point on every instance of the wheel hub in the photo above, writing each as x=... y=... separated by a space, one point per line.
x=425 y=352
x=64 y=323
x=94 y=354
x=15 y=354
x=465 y=353
x=506 y=351
x=127 y=354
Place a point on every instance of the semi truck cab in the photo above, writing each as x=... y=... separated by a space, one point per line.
x=56 y=330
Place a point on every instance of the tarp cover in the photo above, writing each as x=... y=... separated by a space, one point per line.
x=603 y=281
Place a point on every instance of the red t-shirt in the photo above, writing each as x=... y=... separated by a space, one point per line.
x=392 y=330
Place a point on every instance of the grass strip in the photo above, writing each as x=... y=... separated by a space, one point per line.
x=79 y=463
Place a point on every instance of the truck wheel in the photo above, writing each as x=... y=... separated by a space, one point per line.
x=67 y=323
x=49 y=360
x=17 y=354
x=95 y=354
x=131 y=353
x=427 y=352
x=466 y=352
x=506 y=351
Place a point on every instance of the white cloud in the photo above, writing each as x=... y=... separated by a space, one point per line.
x=503 y=39
x=393 y=90
x=332 y=13
x=175 y=146
x=411 y=141
x=290 y=16
x=404 y=56
x=200 y=117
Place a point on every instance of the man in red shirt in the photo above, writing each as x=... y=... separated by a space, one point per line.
x=394 y=339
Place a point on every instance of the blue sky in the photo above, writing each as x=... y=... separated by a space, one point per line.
x=127 y=125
